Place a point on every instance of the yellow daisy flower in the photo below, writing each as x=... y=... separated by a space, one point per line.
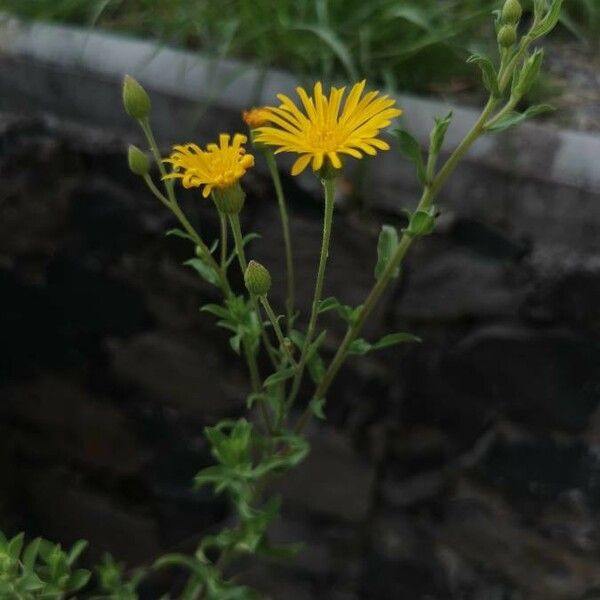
x=219 y=166
x=324 y=130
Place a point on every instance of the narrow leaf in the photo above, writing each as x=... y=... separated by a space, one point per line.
x=514 y=118
x=488 y=72
x=386 y=246
x=393 y=339
x=410 y=147
x=206 y=272
x=280 y=376
x=438 y=134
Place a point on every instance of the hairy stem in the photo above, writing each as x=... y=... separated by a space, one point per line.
x=329 y=185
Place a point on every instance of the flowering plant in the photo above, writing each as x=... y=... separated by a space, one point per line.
x=322 y=130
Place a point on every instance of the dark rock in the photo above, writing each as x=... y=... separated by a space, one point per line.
x=180 y=375
x=65 y=423
x=67 y=513
x=542 y=378
x=333 y=481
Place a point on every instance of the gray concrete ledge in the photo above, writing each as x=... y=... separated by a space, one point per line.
x=69 y=57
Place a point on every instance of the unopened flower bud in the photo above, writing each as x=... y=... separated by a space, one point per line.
x=507 y=36
x=229 y=200
x=138 y=161
x=257 y=279
x=135 y=99
x=512 y=12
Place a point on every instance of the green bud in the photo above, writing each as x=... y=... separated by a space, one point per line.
x=257 y=279
x=135 y=99
x=507 y=36
x=138 y=161
x=229 y=201
x=512 y=12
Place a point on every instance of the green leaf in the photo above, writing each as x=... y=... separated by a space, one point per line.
x=395 y=338
x=316 y=406
x=410 y=147
x=549 y=22
x=76 y=551
x=332 y=303
x=180 y=234
x=515 y=118
x=206 y=272
x=528 y=74
x=279 y=376
x=15 y=546
x=359 y=347
x=438 y=134
x=488 y=72
x=30 y=554
x=422 y=222
x=78 y=580
x=386 y=246
x=215 y=309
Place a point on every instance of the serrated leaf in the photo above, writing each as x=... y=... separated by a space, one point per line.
x=206 y=272
x=393 y=339
x=488 y=72
x=386 y=246
x=514 y=118
x=411 y=149
x=280 y=376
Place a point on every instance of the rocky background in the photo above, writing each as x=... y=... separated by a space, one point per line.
x=466 y=467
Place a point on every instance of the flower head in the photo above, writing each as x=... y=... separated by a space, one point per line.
x=256 y=117
x=324 y=129
x=219 y=166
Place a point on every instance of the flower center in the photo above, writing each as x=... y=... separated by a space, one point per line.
x=327 y=140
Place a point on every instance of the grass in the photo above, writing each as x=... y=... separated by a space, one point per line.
x=418 y=45
x=404 y=44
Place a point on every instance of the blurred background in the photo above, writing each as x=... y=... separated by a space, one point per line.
x=467 y=467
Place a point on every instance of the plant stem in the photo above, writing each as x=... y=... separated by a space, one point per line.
x=223 y=221
x=429 y=194
x=329 y=185
x=276 y=327
x=287 y=238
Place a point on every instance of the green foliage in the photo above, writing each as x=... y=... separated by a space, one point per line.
x=411 y=149
x=112 y=582
x=386 y=246
x=409 y=44
x=238 y=316
x=39 y=570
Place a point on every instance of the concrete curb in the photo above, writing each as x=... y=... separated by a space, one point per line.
x=75 y=55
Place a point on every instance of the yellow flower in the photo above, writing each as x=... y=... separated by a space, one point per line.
x=219 y=166
x=256 y=117
x=324 y=130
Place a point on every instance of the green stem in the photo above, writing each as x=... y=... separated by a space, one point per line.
x=287 y=238
x=223 y=221
x=276 y=327
x=429 y=194
x=329 y=185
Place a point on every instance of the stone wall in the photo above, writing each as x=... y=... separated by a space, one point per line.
x=466 y=467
